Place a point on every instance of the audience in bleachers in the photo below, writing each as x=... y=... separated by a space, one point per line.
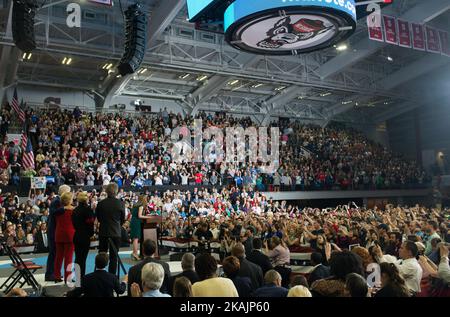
x=87 y=149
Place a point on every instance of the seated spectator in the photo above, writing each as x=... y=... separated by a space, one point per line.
x=356 y=285
x=210 y=285
x=299 y=291
x=100 y=283
x=152 y=278
x=231 y=266
x=182 y=287
x=319 y=270
x=341 y=264
x=258 y=257
x=135 y=273
x=392 y=284
x=272 y=286
x=299 y=280
x=247 y=268
x=187 y=264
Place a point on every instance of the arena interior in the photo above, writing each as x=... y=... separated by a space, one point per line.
x=209 y=148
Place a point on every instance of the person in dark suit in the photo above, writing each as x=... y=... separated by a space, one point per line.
x=272 y=287
x=134 y=275
x=110 y=213
x=247 y=268
x=42 y=239
x=83 y=222
x=56 y=208
x=187 y=264
x=256 y=256
x=319 y=271
x=99 y=283
x=231 y=266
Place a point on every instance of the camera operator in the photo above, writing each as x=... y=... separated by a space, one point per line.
x=203 y=237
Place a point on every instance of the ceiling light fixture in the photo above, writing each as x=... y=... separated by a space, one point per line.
x=202 y=78
x=184 y=76
x=257 y=85
x=233 y=82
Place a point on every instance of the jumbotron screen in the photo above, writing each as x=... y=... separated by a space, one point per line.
x=196 y=6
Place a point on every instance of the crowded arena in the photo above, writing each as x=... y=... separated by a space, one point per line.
x=207 y=148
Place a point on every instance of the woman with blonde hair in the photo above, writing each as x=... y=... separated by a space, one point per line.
x=137 y=214
x=64 y=237
x=299 y=291
x=83 y=222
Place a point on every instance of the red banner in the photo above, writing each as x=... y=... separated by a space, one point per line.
x=390 y=29
x=433 y=44
x=375 y=29
x=445 y=42
x=404 y=33
x=418 y=37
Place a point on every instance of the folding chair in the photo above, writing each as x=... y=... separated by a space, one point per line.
x=23 y=272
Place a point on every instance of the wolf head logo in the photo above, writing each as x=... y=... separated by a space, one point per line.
x=285 y=32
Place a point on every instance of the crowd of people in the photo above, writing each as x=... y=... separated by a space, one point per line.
x=88 y=149
x=409 y=245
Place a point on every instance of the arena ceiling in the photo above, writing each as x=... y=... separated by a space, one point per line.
x=198 y=70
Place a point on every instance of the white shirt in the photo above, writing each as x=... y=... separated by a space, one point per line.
x=444 y=270
x=184 y=179
x=410 y=270
x=158 y=180
x=106 y=179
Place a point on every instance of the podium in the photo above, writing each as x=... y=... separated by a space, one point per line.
x=150 y=231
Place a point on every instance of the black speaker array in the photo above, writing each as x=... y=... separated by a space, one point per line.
x=136 y=40
x=23 y=24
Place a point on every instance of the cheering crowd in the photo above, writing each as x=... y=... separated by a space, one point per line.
x=408 y=243
x=87 y=149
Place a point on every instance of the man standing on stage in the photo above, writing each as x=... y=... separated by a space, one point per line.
x=110 y=214
x=55 y=208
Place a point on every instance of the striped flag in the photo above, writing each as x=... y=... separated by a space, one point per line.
x=28 y=155
x=16 y=107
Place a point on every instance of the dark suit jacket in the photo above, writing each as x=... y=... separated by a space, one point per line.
x=261 y=260
x=56 y=208
x=110 y=213
x=190 y=275
x=252 y=271
x=100 y=283
x=319 y=273
x=243 y=286
x=134 y=275
x=40 y=247
x=83 y=222
x=270 y=290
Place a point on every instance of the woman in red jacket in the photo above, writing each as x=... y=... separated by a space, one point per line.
x=64 y=238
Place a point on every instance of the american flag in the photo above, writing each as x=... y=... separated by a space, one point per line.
x=27 y=150
x=16 y=107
